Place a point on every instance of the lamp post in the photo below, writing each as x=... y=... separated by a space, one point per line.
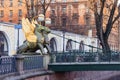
x=64 y=29
x=119 y=30
x=18 y=27
x=63 y=41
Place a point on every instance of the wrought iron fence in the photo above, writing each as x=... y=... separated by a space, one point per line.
x=7 y=65
x=33 y=62
x=82 y=56
x=11 y=64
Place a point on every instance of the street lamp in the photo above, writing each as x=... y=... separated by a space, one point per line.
x=48 y=21
x=42 y=18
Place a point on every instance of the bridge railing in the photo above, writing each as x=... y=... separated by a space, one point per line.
x=21 y=63
x=33 y=62
x=7 y=65
x=82 y=56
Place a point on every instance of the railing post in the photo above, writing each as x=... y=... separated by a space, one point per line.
x=19 y=63
x=46 y=61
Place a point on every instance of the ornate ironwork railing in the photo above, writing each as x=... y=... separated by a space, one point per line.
x=7 y=65
x=33 y=62
x=82 y=56
x=11 y=64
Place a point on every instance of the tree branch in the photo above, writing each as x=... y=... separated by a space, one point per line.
x=102 y=7
x=109 y=23
x=48 y=5
x=116 y=18
x=41 y=3
x=27 y=6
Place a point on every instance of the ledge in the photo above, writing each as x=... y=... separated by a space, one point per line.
x=28 y=74
x=86 y=66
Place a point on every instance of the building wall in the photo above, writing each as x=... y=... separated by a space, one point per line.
x=79 y=75
x=9 y=32
x=12 y=38
x=15 y=8
x=80 y=11
x=58 y=35
x=79 y=18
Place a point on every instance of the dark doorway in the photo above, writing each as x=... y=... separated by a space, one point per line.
x=3 y=44
x=53 y=45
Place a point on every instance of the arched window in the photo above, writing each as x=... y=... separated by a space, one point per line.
x=81 y=47
x=53 y=45
x=3 y=44
x=69 y=45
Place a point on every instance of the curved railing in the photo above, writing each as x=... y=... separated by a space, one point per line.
x=82 y=56
x=20 y=63
x=7 y=65
x=33 y=62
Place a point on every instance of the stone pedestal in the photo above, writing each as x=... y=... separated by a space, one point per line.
x=19 y=63
x=46 y=61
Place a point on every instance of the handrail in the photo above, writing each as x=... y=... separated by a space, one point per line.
x=77 y=41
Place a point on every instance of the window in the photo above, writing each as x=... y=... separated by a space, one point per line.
x=11 y=3
x=52 y=11
x=10 y=21
x=19 y=21
x=2 y=3
x=53 y=1
x=1 y=13
x=1 y=20
x=42 y=1
x=20 y=13
x=69 y=45
x=75 y=0
x=64 y=0
x=53 y=45
x=64 y=21
x=11 y=13
x=19 y=2
x=53 y=21
x=63 y=10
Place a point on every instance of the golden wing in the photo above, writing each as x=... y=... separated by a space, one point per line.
x=31 y=25
x=28 y=29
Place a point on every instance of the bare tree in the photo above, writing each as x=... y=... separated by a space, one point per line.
x=35 y=6
x=106 y=14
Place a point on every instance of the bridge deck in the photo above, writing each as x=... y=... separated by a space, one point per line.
x=84 y=66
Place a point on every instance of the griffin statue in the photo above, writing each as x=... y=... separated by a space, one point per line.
x=36 y=37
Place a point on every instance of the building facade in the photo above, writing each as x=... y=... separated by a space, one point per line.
x=66 y=15
x=12 y=10
x=76 y=16
x=10 y=38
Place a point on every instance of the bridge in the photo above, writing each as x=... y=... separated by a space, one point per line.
x=60 y=63
x=84 y=61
